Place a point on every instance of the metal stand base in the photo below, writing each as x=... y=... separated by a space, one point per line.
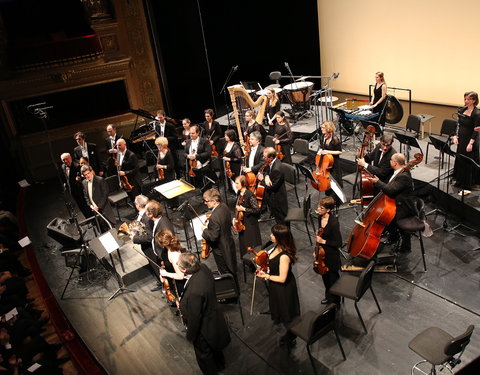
x=119 y=291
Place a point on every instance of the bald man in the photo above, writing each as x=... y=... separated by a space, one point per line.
x=110 y=146
x=128 y=165
x=71 y=178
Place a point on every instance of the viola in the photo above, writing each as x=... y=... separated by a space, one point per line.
x=319 y=265
x=322 y=175
x=228 y=171
x=240 y=215
x=214 y=150
x=193 y=165
x=260 y=259
x=280 y=154
x=206 y=249
x=170 y=297
x=250 y=176
x=161 y=171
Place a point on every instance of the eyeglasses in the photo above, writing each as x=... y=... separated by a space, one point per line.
x=206 y=201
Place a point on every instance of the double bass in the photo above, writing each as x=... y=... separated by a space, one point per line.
x=365 y=236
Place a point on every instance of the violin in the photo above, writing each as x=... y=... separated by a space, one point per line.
x=260 y=259
x=239 y=226
x=193 y=165
x=170 y=297
x=319 y=257
x=122 y=180
x=278 y=147
x=161 y=171
x=322 y=175
x=214 y=150
x=206 y=249
x=256 y=188
x=228 y=171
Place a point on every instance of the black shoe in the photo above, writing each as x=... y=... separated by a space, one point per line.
x=156 y=289
x=324 y=301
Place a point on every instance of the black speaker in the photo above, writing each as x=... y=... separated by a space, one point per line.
x=63 y=232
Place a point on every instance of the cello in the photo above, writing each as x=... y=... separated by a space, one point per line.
x=365 y=236
x=322 y=175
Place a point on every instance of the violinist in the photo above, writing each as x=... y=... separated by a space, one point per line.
x=254 y=159
x=165 y=165
x=232 y=153
x=218 y=233
x=248 y=206
x=330 y=240
x=165 y=129
x=377 y=162
x=253 y=125
x=186 y=123
x=283 y=136
x=110 y=144
x=283 y=295
x=197 y=154
x=330 y=145
x=273 y=106
x=211 y=128
x=171 y=251
x=127 y=164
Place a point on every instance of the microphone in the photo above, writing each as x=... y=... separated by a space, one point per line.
x=286 y=65
x=235 y=68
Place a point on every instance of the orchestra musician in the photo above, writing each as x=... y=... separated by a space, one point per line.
x=172 y=249
x=72 y=180
x=198 y=149
x=399 y=187
x=379 y=97
x=232 y=153
x=218 y=234
x=164 y=160
x=283 y=136
x=211 y=128
x=331 y=241
x=252 y=125
x=466 y=139
x=166 y=129
x=206 y=326
x=110 y=144
x=283 y=295
x=273 y=106
x=88 y=150
x=127 y=164
x=377 y=162
x=247 y=203
x=274 y=181
x=84 y=161
x=186 y=123
x=254 y=160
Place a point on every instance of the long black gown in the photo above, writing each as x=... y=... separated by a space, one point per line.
x=283 y=297
x=463 y=172
x=251 y=235
x=285 y=140
x=336 y=170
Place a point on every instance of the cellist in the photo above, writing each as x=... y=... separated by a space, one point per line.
x=330 y=239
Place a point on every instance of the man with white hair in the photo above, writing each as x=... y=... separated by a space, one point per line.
x=72 y=181
x=128 y=166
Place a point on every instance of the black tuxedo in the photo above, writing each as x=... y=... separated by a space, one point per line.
x=212 y=134
x=170 y=132
x=93 y=158
x=204 y=151
x=206 y=326
x=219 y=236
x=257 y=160
x=277 y=193
x=130 y=167
x=110 y=167
x=382 y=169
x=100 y=197
x=75 y=187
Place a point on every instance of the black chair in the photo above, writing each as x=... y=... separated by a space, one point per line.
x=300 y=151
x=312 y=326
x=354 y=287
x=301 y=214
x=115 y=194
x=449 y=126
x=438 y=348
x=415 y=225
x=414 y=124
x=226 y=289
x=290 y=175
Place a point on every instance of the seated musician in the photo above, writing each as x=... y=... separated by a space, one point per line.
x=254 y=160
x=399 y=187
x=197 y=154
x=232 y=154
x=377 y=162
x=252 y=125
x=283 y=136
x=211 y=129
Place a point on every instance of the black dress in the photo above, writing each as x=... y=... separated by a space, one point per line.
x=169 y=172
x=336 y=170
x=283 y=297
x=377 y=95
x=256 y=127
x=271 y=110
x=251 y=235
x=235 y=154
x=463 y=172
x=285 y=140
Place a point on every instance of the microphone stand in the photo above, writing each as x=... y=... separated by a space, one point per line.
x=224 y=91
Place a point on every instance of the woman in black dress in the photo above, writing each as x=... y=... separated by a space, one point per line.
x=283 y=295
x=172 y=249
x=165 y=164
x=330 y=145
x=379 y=94
x=273 y=106
x=283 y=136
x=252 y=125
x=331 y=240
x=466 y=140
x=232 y=153
x=247 y=203
x=211 y=129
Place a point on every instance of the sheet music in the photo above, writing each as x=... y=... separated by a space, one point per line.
x=109 y=242
x=337 y=189
x=197 y=225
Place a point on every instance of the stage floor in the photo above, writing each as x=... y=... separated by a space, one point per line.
x=137 y=333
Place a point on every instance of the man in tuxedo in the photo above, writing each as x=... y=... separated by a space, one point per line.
x=206 y=326
x=400 y=188
x=199 y=149
x=377 y=162
x=95 y=191
x=88 y=150
x=255 y=158
x=274 y=181
x=128 y=165
x=72 y=181
x=218 y=233
x=110 y=145
x=166 y=129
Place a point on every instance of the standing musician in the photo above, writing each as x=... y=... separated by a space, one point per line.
x=330 y=145
x=399 y=187
x=127 y=164
x=283 y=136
x=254 y=159
x=211 y=128
x=110 y=144
x=172 y=248
x=165 y=165
x=248 y=206
x=274 y=181
x=377 y=162
x=72 y=180
x=331 y=241
x=206 y=326
x=273 y=106
x=232 y=153
x=88 y=150
x=186 y=123
x=165 y=129
x=218 y=233
x=197 y=154
x=252 y=126
x=379 y=96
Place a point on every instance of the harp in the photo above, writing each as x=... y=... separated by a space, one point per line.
x=241 y=102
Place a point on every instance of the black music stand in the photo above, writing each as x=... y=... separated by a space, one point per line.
x=376 y=125
x=444 y=148
x=307 y=173
x=409 y=142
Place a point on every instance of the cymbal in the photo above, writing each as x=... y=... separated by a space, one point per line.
x=302 y=78
x=324 y=99
x=393 y=110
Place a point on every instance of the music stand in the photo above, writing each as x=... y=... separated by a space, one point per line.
x=444 y=148
x=376 y=125
x=409 y=142
x=307 y=173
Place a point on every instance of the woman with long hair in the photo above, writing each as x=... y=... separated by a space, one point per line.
x=169 y=258
x=273 y=106
x=283 y=136
x=232 y=152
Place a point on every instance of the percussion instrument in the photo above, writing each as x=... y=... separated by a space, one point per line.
x=278 y=90
x=299 y=92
